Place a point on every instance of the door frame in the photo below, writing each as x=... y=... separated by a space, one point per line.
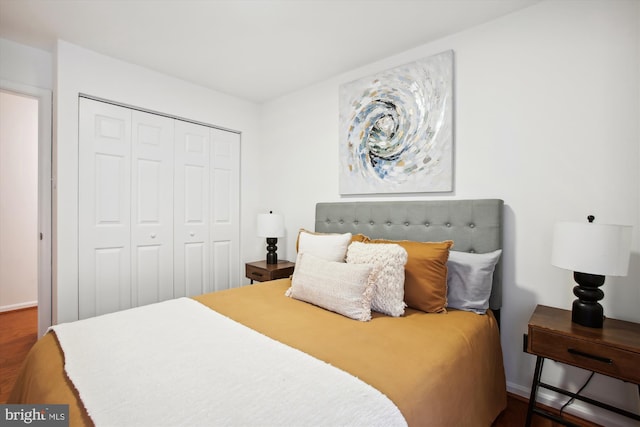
x=45 y=184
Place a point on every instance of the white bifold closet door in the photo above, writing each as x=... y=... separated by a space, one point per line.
x=225 y=209
x=158 y=208
x=192 y=228
x=151 y=208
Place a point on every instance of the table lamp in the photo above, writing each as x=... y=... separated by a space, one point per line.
x=271 y=226
x=592 y=251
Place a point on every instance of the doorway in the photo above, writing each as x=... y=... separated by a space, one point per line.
x=25 y=200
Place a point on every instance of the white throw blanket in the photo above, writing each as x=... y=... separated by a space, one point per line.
x=180 y=363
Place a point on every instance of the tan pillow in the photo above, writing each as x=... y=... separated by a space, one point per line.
x=425 y=283
x=359 y=238
x=343 y=288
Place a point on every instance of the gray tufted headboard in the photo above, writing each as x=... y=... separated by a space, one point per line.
x=473 y=225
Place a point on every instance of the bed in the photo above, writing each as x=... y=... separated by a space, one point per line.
x=434 y=368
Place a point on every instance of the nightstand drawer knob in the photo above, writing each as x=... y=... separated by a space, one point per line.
x=590 y=356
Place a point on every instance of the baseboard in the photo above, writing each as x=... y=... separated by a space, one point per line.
x=20 y=306
x=578 y=409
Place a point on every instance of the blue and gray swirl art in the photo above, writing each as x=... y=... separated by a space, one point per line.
x=396 y=129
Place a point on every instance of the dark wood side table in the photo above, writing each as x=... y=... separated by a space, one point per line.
x=613 y=350
x=260 y=271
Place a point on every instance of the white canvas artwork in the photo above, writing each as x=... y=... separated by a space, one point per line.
x=396 y=129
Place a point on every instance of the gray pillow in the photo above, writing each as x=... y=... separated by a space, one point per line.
x=469 y=280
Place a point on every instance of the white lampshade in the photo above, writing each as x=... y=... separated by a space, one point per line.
x=270 y=225
x=586 y=247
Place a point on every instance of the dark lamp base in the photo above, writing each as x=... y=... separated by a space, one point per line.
x=272 y=255
x=590 y=315
x=586 y=309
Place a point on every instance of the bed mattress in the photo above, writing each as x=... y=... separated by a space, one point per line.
x=439 y=369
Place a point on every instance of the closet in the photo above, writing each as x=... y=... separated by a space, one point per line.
x=158 y=208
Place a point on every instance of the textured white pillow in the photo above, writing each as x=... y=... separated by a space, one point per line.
x=388 y=261
x=328 y=246
x=343 y=288
x=470 y=279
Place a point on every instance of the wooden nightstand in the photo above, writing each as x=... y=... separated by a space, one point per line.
x=613 y=350
x=260 y=271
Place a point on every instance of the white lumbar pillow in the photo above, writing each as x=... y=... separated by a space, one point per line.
x=343 y=288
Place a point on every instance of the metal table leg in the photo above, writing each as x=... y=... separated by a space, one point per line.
x=534 y=389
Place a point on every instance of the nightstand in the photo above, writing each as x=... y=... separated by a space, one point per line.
x=260 y=271
x=613 y=350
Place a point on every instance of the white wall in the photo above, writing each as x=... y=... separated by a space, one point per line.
x=25 y=65
x=79 y=70
x=546 y=114
x=18 y=201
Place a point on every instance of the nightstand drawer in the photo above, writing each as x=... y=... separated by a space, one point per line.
x=588 y=355
x=257 y=274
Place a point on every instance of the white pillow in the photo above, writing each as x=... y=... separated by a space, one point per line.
x=388 y=260
x=343 y=288
x=469 y=280
x=328 y=246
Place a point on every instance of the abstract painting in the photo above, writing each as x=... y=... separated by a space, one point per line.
x=396 y=129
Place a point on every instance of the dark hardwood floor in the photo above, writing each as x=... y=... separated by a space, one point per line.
x=516 y=414
x=18 y=332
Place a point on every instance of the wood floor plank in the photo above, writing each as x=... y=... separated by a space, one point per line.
x=18 y=333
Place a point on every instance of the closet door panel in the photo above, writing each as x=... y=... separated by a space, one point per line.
x=223 y=253
x=149 y=280
x=196 y=269
x=225 y=209
x=152 y=208
x=112 y=285
x=191 y=209
x=104 y=208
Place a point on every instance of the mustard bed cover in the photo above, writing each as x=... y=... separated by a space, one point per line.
x=439 y=369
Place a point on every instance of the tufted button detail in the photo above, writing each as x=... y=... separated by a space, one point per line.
x=472 y=251
x=355 y=222
x=328 y=221
x=370 y=222
x=448 y=224
x=472 y=225
x=388 y=223
x=426 y=224
x=341 y=222
x=406 y=224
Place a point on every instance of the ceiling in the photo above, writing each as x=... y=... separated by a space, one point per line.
x=257 y=50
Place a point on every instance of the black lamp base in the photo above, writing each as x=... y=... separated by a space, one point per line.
x=586 y=309
x=272 y=255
